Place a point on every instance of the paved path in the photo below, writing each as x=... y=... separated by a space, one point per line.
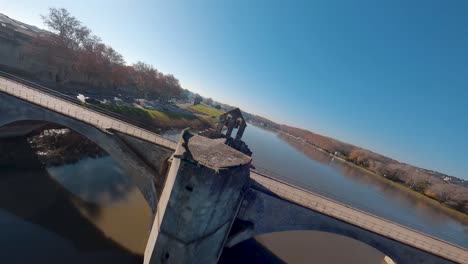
x=362 y=219
x=66 y=107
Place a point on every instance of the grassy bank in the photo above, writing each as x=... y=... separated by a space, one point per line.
x=159 y=119
x=205 y=109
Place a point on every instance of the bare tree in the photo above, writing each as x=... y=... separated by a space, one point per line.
x=71 y=33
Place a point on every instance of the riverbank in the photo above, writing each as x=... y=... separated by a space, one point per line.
x=460 y=216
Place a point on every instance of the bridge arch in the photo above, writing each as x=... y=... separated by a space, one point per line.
x=320 y=246
x=128 y=152
x=264 y=212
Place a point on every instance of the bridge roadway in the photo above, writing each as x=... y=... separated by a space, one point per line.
x=107 y=121
x=60 y=103
x=362 y=219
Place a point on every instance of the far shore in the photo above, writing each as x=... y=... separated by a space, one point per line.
x=463 y=218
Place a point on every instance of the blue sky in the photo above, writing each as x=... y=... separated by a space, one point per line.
x=391 y=76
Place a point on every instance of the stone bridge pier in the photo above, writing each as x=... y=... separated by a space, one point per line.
x=202 y=194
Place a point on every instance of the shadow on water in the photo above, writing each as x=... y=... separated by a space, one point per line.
x=29 y=193
x=249 y=251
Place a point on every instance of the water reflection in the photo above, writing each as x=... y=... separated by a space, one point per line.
x=104 y=193
x=100 y=181
x=319 y=247
x=83 y=211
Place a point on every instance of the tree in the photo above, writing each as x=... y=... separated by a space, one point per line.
x=113 y=56
x=90 y=60
x=197 y=100
x=63 y=46
x=442 y=191
x=71 y=33
x=359 y=157
x=145 y=77
x=73 y=47
x=209 y=101
x=418 y=181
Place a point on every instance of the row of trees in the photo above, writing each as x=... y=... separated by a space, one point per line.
x=80 y=56
x=328 y=144
x=417 y=179
x=429 y=183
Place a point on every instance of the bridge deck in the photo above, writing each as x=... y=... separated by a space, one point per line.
x=362 y=219
x=30 y=92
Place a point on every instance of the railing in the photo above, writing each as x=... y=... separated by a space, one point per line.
x=72 y=107
x=360 y=218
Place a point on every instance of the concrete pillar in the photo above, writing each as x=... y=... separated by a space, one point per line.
x=200 y=200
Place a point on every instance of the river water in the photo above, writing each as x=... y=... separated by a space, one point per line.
x=321 y=173
x=84 y=212
x=91 y=212
x=312 y=169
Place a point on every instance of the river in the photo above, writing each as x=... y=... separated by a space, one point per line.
x=319 y=172
x=89 y=211
x=83 y=212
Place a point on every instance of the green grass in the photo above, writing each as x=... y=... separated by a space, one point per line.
x=205 y=109
x=162 y=120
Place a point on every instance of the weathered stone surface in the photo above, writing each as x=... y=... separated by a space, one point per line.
x=231 y=120
x=213 y=153
x=153 y=155
x=270 y=213
x=203 y=191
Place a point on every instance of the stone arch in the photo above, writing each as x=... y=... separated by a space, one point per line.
x=264 y=212
x=122 y=148
x=312 y=244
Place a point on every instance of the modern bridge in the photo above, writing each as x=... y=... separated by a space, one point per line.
x=203 y=194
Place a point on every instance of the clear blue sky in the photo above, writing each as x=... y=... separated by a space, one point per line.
x=391 y=76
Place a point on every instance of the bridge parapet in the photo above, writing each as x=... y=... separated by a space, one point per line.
x=363 y=220
x=79 y=112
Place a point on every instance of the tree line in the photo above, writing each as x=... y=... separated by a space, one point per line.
x=443 y=188
x=80 y=56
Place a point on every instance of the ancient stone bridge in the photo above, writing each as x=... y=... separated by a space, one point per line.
x=202 y=192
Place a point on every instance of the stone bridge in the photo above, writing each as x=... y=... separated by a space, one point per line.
x=202 y=192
